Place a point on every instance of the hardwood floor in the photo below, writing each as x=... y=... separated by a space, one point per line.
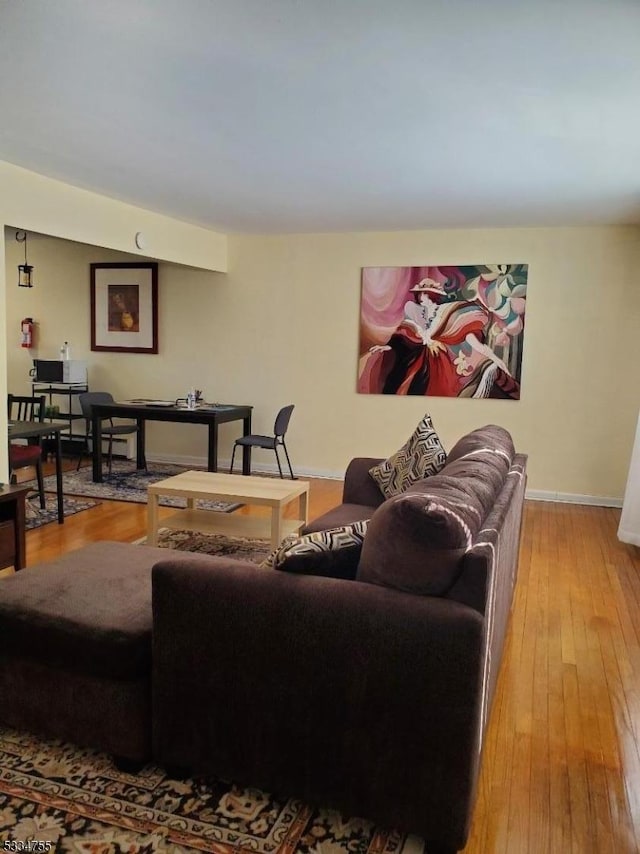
x=124 y=522
x=561 y=765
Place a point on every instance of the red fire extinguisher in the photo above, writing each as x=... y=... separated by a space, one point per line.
x=27 y=328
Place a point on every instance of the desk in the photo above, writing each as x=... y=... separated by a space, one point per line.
x=212 y=416
x=40 y=430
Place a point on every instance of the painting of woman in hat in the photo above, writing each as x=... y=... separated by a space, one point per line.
x=438 y=348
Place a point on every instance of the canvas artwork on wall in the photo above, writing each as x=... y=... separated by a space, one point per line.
x=444 y=331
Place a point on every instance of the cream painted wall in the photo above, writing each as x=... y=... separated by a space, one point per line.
x=59 y=303
x=4 y=470
x=38 y=204
x=282 y=326
x=286 y=319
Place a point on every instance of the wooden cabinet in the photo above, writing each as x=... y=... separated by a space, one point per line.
x=12 y=526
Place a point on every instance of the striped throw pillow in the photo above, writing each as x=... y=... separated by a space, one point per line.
x=333 y=539
x=421 y=455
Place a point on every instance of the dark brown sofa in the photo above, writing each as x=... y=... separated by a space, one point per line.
x=360 y=497
x=370 y=695
x=75 y=648
x=354 y=694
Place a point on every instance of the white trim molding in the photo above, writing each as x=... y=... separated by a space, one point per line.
x=271 y=468
x=573 y=498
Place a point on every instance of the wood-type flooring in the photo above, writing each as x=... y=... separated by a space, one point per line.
x=561 y=763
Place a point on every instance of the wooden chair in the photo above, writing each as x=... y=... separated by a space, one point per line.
x=20 y=456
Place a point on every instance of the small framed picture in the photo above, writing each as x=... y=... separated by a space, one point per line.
x=124 y=307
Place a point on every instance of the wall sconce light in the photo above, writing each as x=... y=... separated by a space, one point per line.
x=24 y=270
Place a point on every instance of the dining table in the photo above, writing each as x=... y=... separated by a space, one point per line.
x=44 y=430
x=142 y=410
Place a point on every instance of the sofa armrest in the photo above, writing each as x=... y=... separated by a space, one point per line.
x=359 y=486
x=342 y=693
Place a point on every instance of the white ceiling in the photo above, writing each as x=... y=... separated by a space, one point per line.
x=331 y=115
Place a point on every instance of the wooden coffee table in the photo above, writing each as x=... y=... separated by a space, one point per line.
x=271 y=492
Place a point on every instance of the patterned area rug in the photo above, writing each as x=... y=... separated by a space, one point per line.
x=35 y=516
x=76 y=800
x=213 y=544
x=126 y=483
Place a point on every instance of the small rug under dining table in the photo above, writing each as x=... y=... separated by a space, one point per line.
x=126 y=483
x=36 y=516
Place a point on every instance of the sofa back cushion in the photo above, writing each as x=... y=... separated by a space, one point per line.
x=416 y=541
x=490 y=441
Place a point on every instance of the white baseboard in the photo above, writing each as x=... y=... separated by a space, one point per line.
x=123 y=446
x=272 y=468
x=256 y=466
x=573 y=498
x=631 y=537
x=182 y=460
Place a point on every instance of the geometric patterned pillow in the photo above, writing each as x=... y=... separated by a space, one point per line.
x=421 y=455
x=333 y=539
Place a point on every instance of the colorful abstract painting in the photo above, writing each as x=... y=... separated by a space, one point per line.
x=443 y=331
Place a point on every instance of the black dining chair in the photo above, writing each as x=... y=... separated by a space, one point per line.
x=20 y=408
x=87 y=400
x=271 y=442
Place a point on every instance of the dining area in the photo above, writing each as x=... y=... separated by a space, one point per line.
x=35 y=434
x=65 y=460
x=31 y=437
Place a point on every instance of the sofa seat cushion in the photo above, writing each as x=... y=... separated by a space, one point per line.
x=88 y=611
x=421 y=455
x=344 y=514
x=416 y=541
x=332 y=553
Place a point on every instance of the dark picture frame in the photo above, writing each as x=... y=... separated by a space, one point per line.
x=124 y=307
